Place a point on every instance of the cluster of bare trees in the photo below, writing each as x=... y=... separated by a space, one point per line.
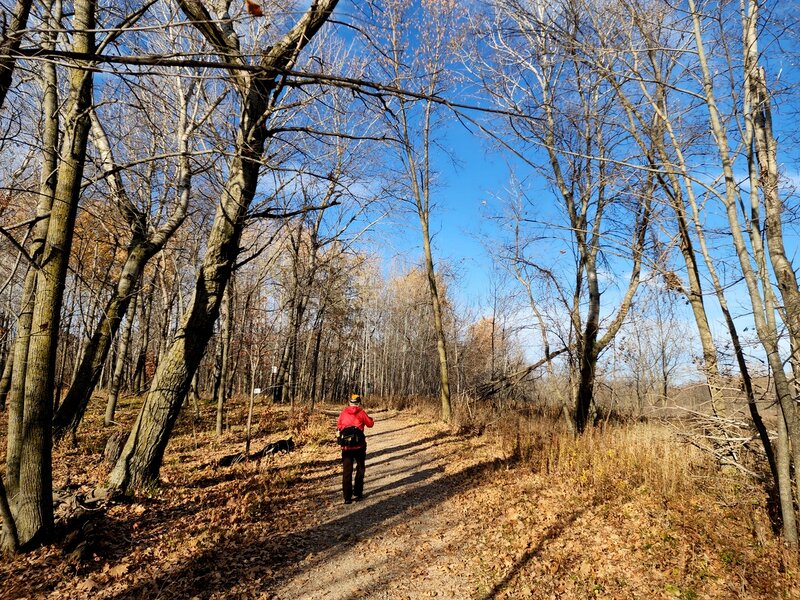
x=169 y=163
x=653 y=123
x=148 y=171
x=189 y=190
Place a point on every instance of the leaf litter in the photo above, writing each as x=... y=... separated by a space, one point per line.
x=444 y=516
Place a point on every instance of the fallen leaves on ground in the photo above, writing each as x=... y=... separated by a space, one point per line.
x=508 y=532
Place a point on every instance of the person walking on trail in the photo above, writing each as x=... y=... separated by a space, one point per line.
x=354 y=447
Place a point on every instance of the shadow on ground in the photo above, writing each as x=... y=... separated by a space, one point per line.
x=242 y=560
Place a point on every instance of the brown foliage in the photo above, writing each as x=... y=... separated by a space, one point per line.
x=619 y=513
x=254 y=9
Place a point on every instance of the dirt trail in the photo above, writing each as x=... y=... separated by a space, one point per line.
x=400 y=540
x=444 y=516
x=449 y=517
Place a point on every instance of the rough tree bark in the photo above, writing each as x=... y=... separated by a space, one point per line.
x=143 y=245
x=33 y=502
x=47 y=190
x=142 y=455
x=5 y=379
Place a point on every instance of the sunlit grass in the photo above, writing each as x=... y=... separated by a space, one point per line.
x=611 y=458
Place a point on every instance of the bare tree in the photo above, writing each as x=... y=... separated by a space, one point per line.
x=419 y=58
x=761 y=296
x=12 y=38
x=258 y=92
x=30 y=438
x=146 y=241
x=539 y=66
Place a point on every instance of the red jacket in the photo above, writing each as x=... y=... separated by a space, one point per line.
x=354 y=416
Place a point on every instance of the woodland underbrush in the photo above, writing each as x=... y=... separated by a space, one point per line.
x=681 y=520
x=611 y=458
x=686 y=526
x=621 y=453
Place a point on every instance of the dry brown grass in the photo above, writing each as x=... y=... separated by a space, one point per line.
x=612 y=458
x=615 y=457
x=623 y=508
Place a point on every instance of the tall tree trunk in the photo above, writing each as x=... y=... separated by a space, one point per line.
x=587 y=353
x=419 y=178
x=416 y=141
x=438 y=324
x=143 y=453
x=762 y=159
x=66 y=351
x=250 y=405
x=292 y=380
x=139 y=376
x=315 y=355
x=763 y=309
x=34 y=501
x=47 y=190
x=765 y=147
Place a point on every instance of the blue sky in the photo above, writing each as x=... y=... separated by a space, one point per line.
x=466 y=197
x=473 y=190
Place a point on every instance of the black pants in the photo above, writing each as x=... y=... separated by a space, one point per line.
x=348 y=457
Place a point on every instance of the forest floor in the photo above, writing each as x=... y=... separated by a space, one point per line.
x=444 y=516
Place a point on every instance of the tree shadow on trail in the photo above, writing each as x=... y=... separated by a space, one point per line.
x=395 y=430
x=415 y=445
x=415 y=477
x=553 y=532
x=263 y=564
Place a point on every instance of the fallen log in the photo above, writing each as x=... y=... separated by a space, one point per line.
x=495 y=386
x=286 y=445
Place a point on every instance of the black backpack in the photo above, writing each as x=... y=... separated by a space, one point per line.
x=351 y=436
